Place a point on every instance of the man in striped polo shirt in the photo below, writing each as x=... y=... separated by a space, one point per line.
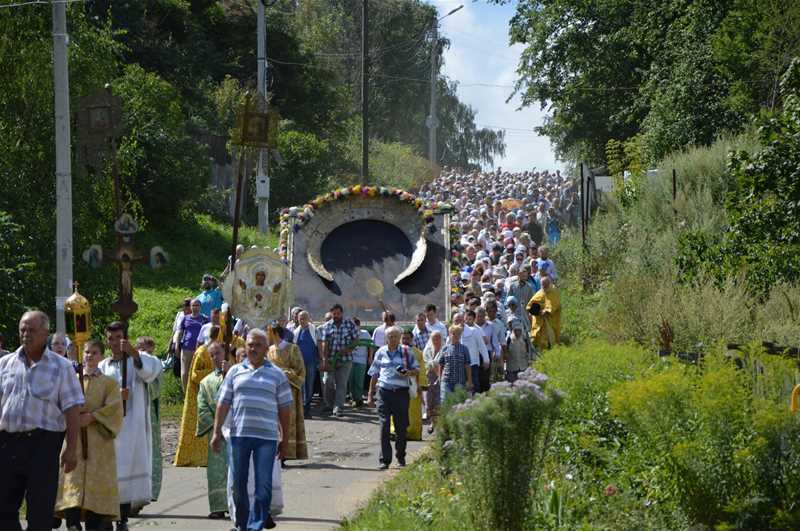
x=258 y=396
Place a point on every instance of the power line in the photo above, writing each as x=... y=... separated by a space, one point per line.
x=37 y=2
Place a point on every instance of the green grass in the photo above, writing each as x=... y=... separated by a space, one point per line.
x=195 y=248
x=418 y=497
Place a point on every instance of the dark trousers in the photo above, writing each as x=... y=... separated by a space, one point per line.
x=393 y=404
x=475 y=372
x=484 y=379
x=124 y=512
x=94 y=522
x=29 y=462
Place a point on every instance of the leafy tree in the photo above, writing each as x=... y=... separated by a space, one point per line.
x=764 y=205
x=305 y=169
x=463 y=144
x=679 y=72
x=27 y=167
x=762 y=241
x=164 y=169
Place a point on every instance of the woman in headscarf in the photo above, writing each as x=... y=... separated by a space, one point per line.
x=287 y=357
x=430 y=355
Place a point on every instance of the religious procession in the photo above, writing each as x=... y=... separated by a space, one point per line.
x=260 y=354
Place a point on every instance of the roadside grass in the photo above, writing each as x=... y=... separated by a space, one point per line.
x=194 y=248
x=418 y=497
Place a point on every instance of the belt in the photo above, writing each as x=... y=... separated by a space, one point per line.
x=21 y=434
x=392 y=388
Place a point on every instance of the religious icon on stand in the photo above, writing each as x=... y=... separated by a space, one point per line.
x=258 y=288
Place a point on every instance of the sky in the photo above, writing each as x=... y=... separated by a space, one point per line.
x=479 y=53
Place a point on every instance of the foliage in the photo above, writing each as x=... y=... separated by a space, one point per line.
x=627 y=157
x=390 y=164
x=305 y=170
x=463 y=145
x=722 y=438
x=27 y=167
x=157 y=139
x=763 y=205
x=15 y=265
x=419 y=497
x=678 y=72
x=497 y=442
x=593 y=476
x=629 y=279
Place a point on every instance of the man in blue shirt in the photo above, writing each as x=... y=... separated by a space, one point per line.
x=211 y=297
x=390 y=371
x=305 y=336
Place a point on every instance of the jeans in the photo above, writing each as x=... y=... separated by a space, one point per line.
x=308 y=385
x=393 y=404
x=447 y=388
x=263 y=454
x=335 y=385
x=29 y=463
x=356 y=382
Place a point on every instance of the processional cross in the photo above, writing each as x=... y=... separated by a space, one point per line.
x=99 y=124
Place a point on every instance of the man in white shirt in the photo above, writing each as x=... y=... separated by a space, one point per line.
x=203 y=336
x=434 y=324
x=379 y=334
x=472 y=338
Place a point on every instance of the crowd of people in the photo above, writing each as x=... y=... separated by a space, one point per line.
x=248 y=392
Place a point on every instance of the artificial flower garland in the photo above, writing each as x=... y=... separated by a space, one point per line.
x=295 y=218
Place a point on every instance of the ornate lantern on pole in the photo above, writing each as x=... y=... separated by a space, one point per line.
x=78 y=316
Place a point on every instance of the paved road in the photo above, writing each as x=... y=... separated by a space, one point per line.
x=341 y=474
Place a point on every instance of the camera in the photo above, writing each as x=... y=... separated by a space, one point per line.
x=400 y=369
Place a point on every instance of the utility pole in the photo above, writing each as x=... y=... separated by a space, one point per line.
x=433 y=120
x=364 y=90
x=63 y=163
x=262 y=168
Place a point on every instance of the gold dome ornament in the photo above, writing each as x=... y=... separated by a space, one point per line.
x=78 y=316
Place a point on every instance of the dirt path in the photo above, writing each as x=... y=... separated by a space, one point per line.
x=341 y=474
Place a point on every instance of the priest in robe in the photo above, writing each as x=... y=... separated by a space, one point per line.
x=193 y=450
x=134 y=445
x=545 y=310
x=207 y=395
x=89 y=493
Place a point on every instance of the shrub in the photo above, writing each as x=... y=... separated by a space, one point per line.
x=499 y=440
x=721 y=438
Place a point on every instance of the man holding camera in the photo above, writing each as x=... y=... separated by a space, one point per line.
x=390 y=371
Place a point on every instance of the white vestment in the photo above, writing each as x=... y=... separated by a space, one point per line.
x=134 y=444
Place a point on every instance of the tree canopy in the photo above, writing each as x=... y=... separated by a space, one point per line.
x=677 y=72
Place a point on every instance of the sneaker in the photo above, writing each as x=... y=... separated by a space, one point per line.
x=122 y=526
x=401 y=462
x=383 y=466
x=269 y=523
x=337 y=412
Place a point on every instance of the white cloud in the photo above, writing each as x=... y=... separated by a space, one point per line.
x=479 y=54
